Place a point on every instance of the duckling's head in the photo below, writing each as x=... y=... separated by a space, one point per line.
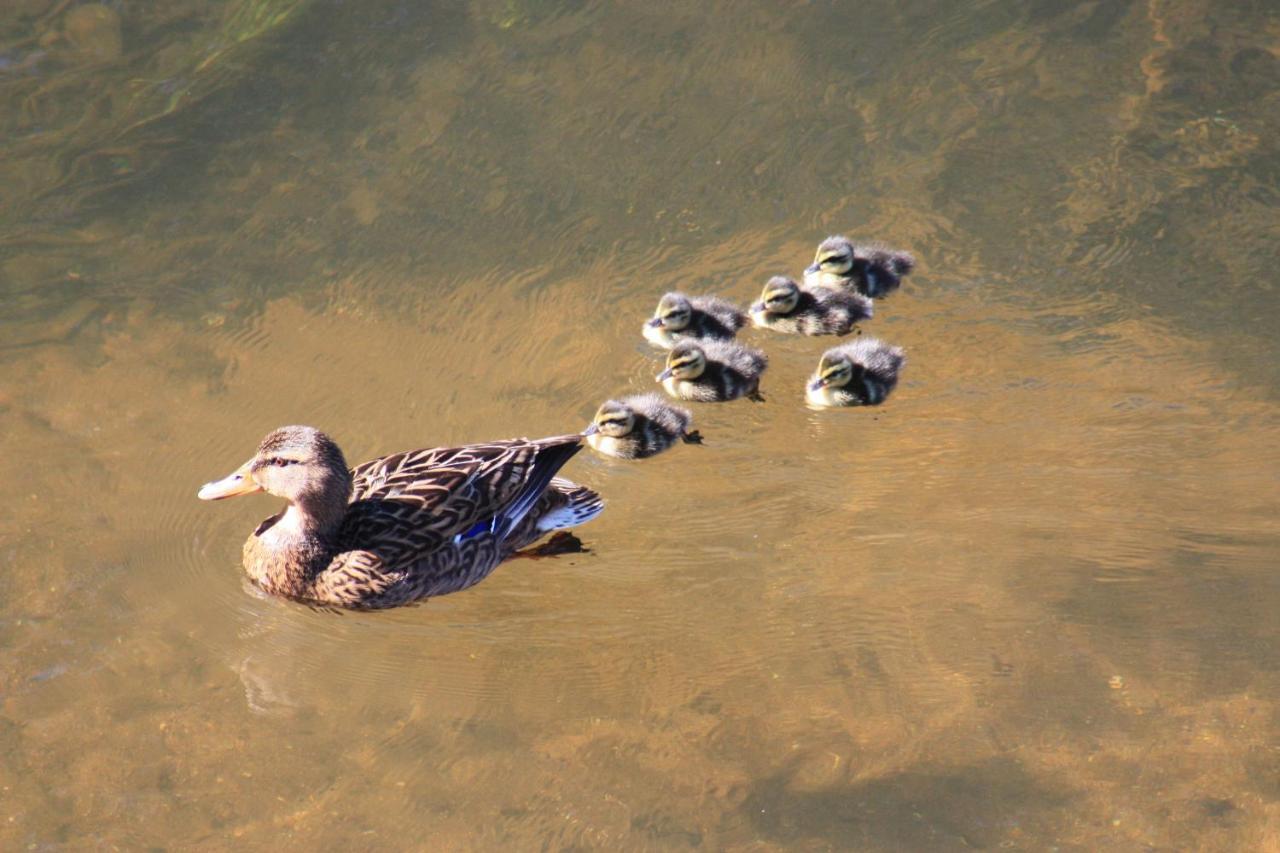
x=673 y=314
x=685 y=362
x=298 y=463
x=779 y=297
x=835 y=370
x=834 y=256
x=615 y=419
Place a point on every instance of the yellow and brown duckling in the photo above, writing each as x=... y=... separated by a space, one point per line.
x=681 y=318
x=640 y=426
x=713 y=371
x=872 y=269
x=402 y=527
x=860 y=373
x=785 y=306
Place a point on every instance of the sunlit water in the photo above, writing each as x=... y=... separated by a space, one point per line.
x=1030 y=602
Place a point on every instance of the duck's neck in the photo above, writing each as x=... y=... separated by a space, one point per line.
x=311 y=519
x=284 y=557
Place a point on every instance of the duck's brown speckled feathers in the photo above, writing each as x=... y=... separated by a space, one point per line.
x=426 y=522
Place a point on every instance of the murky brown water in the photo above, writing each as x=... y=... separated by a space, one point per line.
x=1029 y=603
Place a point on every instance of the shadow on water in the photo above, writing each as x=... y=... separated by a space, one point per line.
x=971 y=807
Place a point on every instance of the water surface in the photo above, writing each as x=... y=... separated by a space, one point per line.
x=1029 y=603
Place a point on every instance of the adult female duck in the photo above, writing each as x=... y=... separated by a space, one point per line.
x=402 y=527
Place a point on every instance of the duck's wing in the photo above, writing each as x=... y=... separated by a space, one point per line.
x=413 y=503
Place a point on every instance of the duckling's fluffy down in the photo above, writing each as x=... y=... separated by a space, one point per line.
x=881 y=360
x=749 y=362
x=728 y=314
x=657 y=409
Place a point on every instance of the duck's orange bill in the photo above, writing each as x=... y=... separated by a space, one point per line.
x=240 y=482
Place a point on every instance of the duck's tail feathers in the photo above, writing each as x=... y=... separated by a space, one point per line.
x=552 y=456
x=579 y=506
x=902 y=262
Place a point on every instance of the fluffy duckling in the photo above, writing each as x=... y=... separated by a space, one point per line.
x=786 y=307
x=872 y=269
x=682 y=318
x=713 y=371
x=861 y=373
x=640 y=426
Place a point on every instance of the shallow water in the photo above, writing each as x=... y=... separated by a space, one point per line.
x=1028 y=603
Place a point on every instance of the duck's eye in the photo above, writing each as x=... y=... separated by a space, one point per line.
x=281 y=461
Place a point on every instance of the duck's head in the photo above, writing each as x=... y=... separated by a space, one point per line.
x=673 y=314
x=835 y=370
x=779 y=297
x=614 y=419
x=834 y=257
x=685 y=362
x=298 y=463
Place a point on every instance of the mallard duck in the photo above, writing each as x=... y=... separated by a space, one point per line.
x=640 y=426
x=682 y=318
x=785 y=306
x=713 y=371
x=860 y=373
x=402 y=527
x=872 y=269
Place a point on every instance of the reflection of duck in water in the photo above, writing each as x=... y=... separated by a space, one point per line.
x=401 y=527
x=640 y=426
x=861 y=373
x=681 y=318
x=784 y=306
x=713 y=371
x=872 y=269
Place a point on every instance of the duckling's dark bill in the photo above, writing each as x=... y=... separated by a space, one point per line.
x=240 y=482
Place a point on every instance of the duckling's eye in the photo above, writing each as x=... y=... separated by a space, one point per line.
x=280 y=461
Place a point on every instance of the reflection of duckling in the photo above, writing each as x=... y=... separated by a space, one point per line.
x=681 y=318
x=640 y=426
x=786 y=307
x=713 y=371
x=861 y=373
x=872 y=269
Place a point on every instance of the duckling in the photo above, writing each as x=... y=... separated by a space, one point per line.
x=872 y=269
x=640 y=426
x=713 y=371
x=861 y=373
x=786 y=307
x=681 y=318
